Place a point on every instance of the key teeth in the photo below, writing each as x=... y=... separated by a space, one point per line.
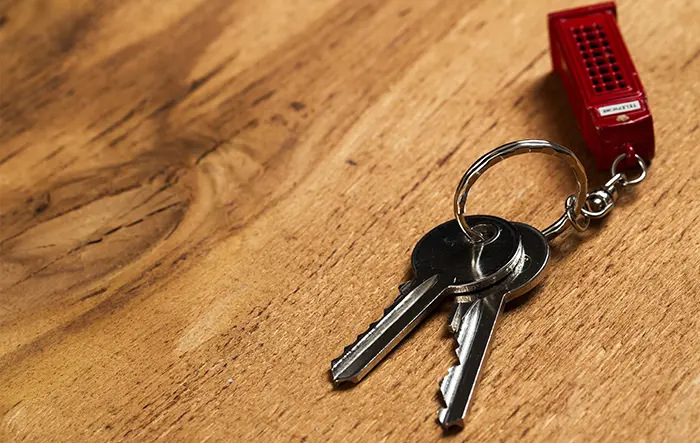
x=458 y=349
x=444 y=386
x=447 y=400
x=442 y=418
x=404 y=289
x=445 y=382
x=349 y=347
x=374 y=323
x=442 y=412
x=371 y=326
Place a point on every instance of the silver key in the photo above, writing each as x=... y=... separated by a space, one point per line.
x=444 y=262
x=473 y=321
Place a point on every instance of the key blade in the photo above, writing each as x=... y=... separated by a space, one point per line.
x=475 y=332
x=475 y=317
x=459 y=307
x=382 y=336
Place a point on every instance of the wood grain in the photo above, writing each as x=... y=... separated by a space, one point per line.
x=203 y=202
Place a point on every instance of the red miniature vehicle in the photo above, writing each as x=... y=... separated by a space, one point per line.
x=603 y=86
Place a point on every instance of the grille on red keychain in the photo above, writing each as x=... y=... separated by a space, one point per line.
x=603 y=86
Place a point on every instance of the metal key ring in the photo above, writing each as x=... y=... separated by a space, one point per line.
x=509 y=150
x=642 y=166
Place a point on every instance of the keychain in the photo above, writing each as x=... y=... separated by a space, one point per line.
x=483 y=262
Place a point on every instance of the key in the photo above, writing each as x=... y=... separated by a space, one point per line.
x=473 y=321
x=444 y=262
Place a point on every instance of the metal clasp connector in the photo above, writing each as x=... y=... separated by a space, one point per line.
x=600 y=202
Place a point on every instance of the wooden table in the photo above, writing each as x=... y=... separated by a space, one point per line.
x=203 y=202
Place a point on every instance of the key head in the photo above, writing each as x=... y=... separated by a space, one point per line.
x=527 y=274
x=445 y=250
x=533 y=268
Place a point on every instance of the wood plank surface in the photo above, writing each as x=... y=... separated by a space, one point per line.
x=203 y=201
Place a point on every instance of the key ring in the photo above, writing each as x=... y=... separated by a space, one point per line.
x=642 y=166
x=574 y=203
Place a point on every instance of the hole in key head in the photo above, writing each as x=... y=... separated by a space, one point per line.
x=489 y=232
x=603 y=69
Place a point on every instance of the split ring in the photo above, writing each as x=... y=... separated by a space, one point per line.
x=642 y=165
x=510 y=150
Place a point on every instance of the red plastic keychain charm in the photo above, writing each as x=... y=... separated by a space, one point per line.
x=603 y=86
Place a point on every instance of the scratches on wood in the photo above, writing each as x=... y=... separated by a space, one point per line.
x=441 y=162
x=690 y=59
